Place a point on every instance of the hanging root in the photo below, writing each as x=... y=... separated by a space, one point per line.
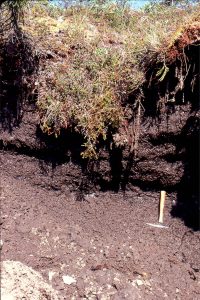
x=135 y=127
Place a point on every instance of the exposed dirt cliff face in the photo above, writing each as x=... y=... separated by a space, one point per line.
x=167 y=158
x=159 y=162
x=161 y=129
x=79 y=228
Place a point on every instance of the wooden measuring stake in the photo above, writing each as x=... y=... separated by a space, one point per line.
x=162 y=204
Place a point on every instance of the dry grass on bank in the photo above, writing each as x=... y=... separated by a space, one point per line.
x=92 y=59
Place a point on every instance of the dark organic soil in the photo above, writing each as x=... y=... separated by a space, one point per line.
x=103 y=242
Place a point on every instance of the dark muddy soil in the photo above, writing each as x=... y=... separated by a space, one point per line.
x=102 y=243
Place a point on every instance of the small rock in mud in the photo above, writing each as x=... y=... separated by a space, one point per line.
x=68 y=279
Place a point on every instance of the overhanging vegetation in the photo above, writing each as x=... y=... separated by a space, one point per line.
x=92 y=59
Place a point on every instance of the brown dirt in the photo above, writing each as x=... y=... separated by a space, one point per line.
x=103 y=243
x=189 y=35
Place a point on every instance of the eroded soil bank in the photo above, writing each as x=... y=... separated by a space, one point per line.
x=83 y=226
x=167 y=158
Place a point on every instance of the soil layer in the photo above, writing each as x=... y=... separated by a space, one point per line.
x=102 y=243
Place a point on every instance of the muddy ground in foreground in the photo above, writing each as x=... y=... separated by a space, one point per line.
x=103 y=243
